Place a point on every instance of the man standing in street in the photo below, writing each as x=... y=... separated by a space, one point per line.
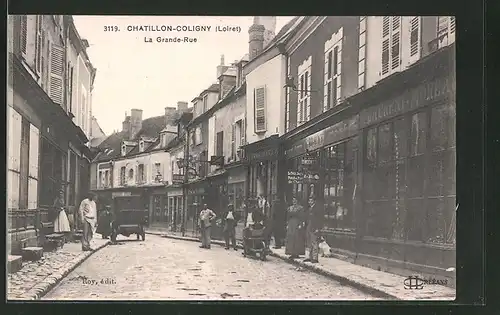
x=230 y=219
x=88 y=213
x=314 y=224
x=205 y=223
x=279 y=222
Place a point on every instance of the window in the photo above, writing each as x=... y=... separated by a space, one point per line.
x=141 y=146
x=122 y=175
x=124 y=150
x=362 y=53
x=141 y=178
x=233 y=140
x=259 y=100
x=287 y=103
x=205 y=103
x=219 y=144
x=57 y=63
x=415 y=35
x=101 y=180
x=84 y=111
x=198 y=136
x=391 y=45
x=38 y=44
x=446 y=30
x=23 y=38
x=130 y=174
x=304 y=96
x=24 y=165
x=157 y=176
x=72 y=179
x=333 y=70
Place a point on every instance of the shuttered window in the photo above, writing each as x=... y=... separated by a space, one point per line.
x=243 y=132
x=24 y=164
x=23 y=38
x=219 y=144
x=287 y=102
x=56 y=73
x=70 y=88
x=391 y=45
x=304 y=104
x=333 y=71
x=446 y=30
x=14 y=157
x=260 y=109
x=34 y=143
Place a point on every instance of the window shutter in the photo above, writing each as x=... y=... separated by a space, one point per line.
x=451 y=30
x=33 y=152
x=260 y=109
x=243 y=132
x=396 y=43
x=56 y=73
x=300 y=101
x=308 y=98
x=233 y=139
x=415 y=35
x=385 y=45
x=327 y=85
x=38 y=44
x=338 y=57
x=15 y=127
x=24 y=33
x=32 y=193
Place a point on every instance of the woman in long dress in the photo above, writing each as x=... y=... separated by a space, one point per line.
x=295 y=237
x=61 y=222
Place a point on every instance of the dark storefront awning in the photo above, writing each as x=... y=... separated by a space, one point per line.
x=268 y=149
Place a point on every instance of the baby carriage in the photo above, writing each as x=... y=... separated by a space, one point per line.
x=254 y=241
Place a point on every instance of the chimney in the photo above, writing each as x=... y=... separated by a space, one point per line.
x=126 y=123
x=256 y=39
x=169 y=115
x=221 y=68
x=227 y=80
x=182 y=106
x=135 y=122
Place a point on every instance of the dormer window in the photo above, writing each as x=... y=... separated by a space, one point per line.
x=131 y=174
x=141 y=146
x=124 y=149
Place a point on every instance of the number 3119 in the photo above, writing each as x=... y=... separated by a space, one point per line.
x=111 y=28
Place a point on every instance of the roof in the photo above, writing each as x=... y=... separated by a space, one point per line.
x=95 y=142
x=212 y=88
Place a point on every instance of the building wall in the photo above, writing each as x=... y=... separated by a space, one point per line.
x=270 y=74
x=95 y=129
x=427 y=32
x=224 y=120
x=313 y=47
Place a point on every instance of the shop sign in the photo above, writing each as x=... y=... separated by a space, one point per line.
x=105 y=165
x=332 y=134
x=420 y=96
x=301 y=178
x=264 y=155
x=308 y=160
x=121 y=194
x=196 y=191
x=177 y=179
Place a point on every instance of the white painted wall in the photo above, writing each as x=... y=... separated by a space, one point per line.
x=272 y=75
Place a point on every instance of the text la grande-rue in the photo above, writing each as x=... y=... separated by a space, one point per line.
x=173 y=39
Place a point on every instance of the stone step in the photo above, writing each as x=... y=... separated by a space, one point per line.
x=14 y=263
x=32 y=253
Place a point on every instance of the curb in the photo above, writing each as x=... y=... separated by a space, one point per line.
x=342 y=279
x=41 y=289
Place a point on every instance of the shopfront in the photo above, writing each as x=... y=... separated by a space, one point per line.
x=175 y=200
x=196 y=197
x=386 y=176
x=323 y=166
x=159 y=206
x=264 y=171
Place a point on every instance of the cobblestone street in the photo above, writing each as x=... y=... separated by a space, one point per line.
x=162 y=268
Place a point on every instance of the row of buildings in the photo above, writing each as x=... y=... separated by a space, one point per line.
x=49 y=121
x=357 y=111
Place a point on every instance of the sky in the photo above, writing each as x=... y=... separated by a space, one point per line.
x=150 y=76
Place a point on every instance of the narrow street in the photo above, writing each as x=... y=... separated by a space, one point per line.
x=164 y=269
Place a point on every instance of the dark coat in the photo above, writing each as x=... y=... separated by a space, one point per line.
x=230 y=224
x=315 y=217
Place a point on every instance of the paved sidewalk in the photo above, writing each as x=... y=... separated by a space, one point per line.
x=366 y=279
x=37 y=278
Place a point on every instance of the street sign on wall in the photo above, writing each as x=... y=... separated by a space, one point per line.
x=177 y=179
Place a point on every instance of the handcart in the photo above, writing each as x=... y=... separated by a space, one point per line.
x=254 y=242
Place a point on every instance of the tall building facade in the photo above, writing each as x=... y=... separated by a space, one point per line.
x=41 y=132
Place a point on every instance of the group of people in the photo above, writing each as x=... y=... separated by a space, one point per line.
x=64 y=222
x=302 y=227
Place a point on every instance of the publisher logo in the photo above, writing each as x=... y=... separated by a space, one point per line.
x=417 y=283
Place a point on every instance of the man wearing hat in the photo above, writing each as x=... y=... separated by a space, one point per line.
x=205 y=224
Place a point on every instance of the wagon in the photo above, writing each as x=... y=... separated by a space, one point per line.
x=129 y=217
